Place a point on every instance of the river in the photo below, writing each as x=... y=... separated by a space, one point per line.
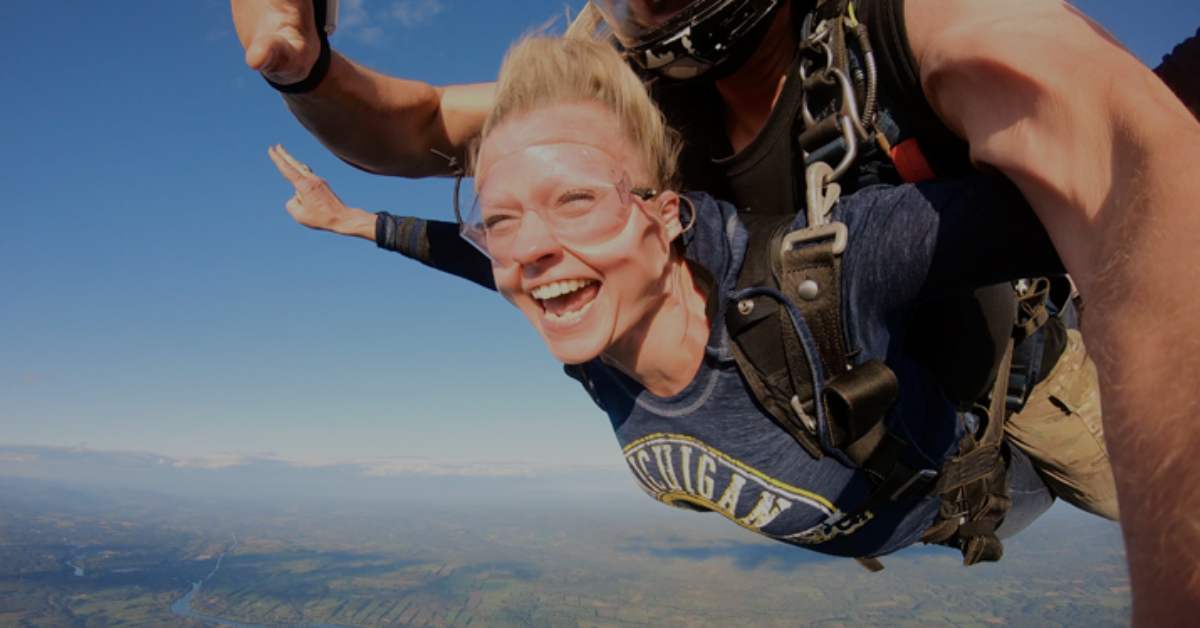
x=183 y=606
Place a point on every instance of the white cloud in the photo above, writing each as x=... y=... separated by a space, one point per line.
x=356 y=22
x=370 y=35
x=375 y=467
x=411 y=13
x=366 y=466
x=384 y=468
x=353 y=15
x=366 y=22
x=219 y=461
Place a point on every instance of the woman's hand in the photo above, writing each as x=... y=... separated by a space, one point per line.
x=314 y=204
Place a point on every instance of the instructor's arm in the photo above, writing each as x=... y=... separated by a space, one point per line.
x=378 y=123
x=1107 y=156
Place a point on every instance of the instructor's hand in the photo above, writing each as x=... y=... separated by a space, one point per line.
x=280 y=37
x=315 y=205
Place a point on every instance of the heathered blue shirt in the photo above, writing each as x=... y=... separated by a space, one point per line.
x=711 y=447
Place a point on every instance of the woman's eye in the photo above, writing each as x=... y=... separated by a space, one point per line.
x=498 y=222
x=576 y=200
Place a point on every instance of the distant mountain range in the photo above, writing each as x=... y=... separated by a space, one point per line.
x=256 y=477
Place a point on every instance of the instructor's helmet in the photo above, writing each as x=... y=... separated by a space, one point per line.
x=682 y=39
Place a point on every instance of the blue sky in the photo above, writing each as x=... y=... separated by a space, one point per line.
x=155 y=296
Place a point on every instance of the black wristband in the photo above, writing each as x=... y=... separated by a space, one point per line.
x=315 y=75
x=405 y=235
x=383 y=223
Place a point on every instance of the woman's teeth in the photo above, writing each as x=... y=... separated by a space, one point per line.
x=558 y=288
x=566 y=301
x=570 y=316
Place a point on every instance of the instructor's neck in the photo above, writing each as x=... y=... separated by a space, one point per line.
x=750 y=93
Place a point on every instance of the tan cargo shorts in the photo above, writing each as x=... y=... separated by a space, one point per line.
x=1060 y=430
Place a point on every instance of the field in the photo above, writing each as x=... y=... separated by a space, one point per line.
x=356 y=566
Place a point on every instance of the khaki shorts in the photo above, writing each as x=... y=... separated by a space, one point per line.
x=1061 y=431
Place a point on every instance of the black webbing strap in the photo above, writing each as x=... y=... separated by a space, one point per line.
x=858 y=399
x=756 y=326
x=773 y=358
x=1032 y=311
x=810 y=277
x=974 y=484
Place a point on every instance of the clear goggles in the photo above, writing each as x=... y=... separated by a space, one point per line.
x=576 y=193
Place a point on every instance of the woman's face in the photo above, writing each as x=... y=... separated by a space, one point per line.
x=582 y=257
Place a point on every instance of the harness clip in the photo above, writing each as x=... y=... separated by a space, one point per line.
x=835 y=230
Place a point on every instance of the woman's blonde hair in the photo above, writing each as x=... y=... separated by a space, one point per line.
x=539 y=71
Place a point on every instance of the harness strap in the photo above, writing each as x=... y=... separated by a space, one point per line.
x=810 y=276
x=974 y=484
x=757 y=325
x=858 y=399
x=1032 y=311
x=807 y=265
x=1036 y=300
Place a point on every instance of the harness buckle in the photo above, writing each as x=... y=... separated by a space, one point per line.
x=835 y=230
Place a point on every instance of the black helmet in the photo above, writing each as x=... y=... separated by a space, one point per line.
x=682 y=39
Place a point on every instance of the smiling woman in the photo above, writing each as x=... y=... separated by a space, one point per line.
x=581 y=242
x=630 y=284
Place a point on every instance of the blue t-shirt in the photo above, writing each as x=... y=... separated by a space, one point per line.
x=711 y=447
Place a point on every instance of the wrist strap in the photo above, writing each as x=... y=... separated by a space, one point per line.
x=384 y=227
x=321 y=67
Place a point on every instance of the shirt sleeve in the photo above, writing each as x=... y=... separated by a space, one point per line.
x=914 y=242
x=434 y=243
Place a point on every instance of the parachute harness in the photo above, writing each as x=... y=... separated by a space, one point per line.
x=787 y=331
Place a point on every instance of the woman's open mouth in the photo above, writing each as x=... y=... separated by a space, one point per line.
x=567 y=300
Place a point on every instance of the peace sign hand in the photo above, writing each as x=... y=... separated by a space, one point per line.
x=314 y=204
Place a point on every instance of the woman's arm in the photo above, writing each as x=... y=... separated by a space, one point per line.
x=379 y=123
x=1106 y=155
x=433 y=243
x=436 y=244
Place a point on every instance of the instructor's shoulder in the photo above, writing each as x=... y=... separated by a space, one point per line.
x=1011 y=33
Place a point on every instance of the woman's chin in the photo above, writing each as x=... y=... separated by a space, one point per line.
x=574 y=350
x=579 y=336
x=577 y=344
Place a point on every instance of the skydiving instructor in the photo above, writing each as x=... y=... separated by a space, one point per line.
x=1098 y=146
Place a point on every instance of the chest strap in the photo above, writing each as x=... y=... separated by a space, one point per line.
x=801 y=269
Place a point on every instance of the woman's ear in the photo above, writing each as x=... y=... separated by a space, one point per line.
x=668 y=213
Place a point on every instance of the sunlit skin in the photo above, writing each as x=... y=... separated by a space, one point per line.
x=645 y=314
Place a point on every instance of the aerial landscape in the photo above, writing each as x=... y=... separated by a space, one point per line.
x=514 y=551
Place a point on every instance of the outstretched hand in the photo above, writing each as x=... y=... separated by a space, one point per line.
x=314 y=204
x=280 y=37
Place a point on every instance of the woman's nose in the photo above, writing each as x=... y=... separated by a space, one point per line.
x=534 y=241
